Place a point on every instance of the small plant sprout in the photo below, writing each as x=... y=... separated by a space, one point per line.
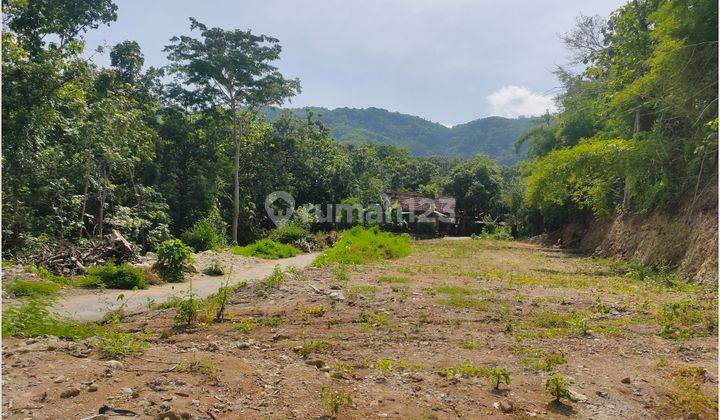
x=316 y=311
x=384 y=365
x=333 y=400
x=558 y=387
x=497 y=375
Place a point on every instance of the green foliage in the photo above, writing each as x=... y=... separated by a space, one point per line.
x=207 y=233
x=497 y=375
x=558 y=387
x=172 y=257
x=494 y=230
x=114 y=343
x=476 y=187
x=112 y=276
x=187 y=310
x=394 y=280
x=31 y=288
x=384 y=365
x=34 y=318
x=310 y=347
x=334 y=400
x=361 y=245
x=288 y=233
x=45 y=274
x=271 y=283
x=267 y=249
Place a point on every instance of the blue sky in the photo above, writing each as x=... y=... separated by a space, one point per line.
x=448 y=61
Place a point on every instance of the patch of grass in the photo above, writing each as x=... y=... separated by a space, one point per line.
x=341 y=369
x=270 y=283
x=270 y=321
x=334 y=400
x=367 y=292
x=538 y=359
x=465 y=370
x=202 y=366
x=267 y=249
x=384 y=366
x=114 y=343
x=33 y=319
x=685 y=319
x=687 y=400
x=471 y=345
x=32 y=288
x=361 y=245
x=466 y=302
x=245 y=326
x=373 y=319
x=316 y=311
x=112 y=276
x=341 y=272
x=310 y=347
x=46 y=274
x=394 y=280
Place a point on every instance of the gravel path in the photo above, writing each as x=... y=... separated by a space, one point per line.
x=92 y=306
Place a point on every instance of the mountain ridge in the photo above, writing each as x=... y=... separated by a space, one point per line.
x=494 y=136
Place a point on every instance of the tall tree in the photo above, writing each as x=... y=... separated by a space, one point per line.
x=232 y=69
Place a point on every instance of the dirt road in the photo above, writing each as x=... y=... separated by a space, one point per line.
x=95 y=304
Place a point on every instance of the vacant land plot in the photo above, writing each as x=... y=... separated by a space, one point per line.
x=461 y=328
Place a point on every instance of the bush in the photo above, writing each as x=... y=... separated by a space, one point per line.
x=215 y=268
x=172 y=254
x=32 y=288
x=268 y=249
x=207 y=233
x=34 y=319
x=113 y=276
x=288 y=234
x=558 y=387
x=361 y=245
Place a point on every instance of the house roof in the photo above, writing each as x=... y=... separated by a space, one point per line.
x=412 y=201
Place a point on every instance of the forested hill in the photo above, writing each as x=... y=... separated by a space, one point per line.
x=493 y=136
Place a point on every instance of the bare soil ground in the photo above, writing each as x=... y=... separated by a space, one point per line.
x=402 y=339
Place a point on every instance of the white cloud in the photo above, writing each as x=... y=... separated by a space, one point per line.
x=515 y=101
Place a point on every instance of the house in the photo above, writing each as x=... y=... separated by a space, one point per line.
x=423 y=214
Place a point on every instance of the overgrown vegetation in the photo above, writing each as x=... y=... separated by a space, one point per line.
x=31 y=288
x=362 y=245
x=172 y=257
x=268 y=249
x=34 y=318
x=124 y=276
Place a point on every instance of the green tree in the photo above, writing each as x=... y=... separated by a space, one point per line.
x=233 y=68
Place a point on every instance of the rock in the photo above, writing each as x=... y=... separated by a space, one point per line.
x=413 y=377
x=114 y=364
x=577 y=397
x=59 y=379
x=92 y=387
x=337 y=296
x=280 y=336
x=121 y=245
x=190 y=268
x=325 y=369
x=69 y=393
x=601 y=394
x=626 y=380
x=315 y=362
x=505 y=406
x=173 y=415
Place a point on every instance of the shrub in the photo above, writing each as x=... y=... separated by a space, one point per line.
x=45 y=274
x=115 y=343
x=34 y=319
x=288 y=234
x=32 y=288
x=271 y=282
x=361 y=245
x=207 y=233
x=310 y=347
x=497 y=375
x=558 y=387
x=188 y=311
x=267 y=249
x=113 y=276
x=384 y=365
x=172 y=257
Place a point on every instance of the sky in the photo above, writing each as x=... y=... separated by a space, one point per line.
x=448 y=61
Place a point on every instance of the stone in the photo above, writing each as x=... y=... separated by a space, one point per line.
x=114 y=364
x=337 y=296
x=577 y=397
x=505 y=406
x=69 y=393
x=315 y=362
x=59 y=379
x=92 y=388
x=626 y=380
x=173 y=415
x=601 y=394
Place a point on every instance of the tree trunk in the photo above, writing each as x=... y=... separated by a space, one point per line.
x=84 y=206
x=236 y=186
x=101 y=199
